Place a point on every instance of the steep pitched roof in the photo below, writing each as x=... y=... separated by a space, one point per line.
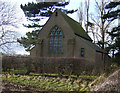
x=92 y=45
x=77 y=28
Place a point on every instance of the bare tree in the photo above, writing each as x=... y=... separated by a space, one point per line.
x=80 y=13
x=9 y=20
x=101 y=24
x=96 y=26
x=87 y=5
x=83 y=14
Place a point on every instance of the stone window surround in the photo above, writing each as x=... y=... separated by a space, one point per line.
x=55 y=40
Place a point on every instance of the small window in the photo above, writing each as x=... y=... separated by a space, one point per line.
x=56 y=14
x=82 y=52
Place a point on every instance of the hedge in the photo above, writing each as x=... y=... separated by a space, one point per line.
x=59 y=65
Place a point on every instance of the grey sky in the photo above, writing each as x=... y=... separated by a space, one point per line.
x=74 y=4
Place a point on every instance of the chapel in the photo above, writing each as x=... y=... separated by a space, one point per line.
x=62 y=36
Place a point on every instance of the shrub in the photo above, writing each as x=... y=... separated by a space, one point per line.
x=57 y=65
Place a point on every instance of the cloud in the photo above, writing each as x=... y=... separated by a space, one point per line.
x=23 y=52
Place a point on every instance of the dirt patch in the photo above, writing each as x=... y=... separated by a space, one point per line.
x=10 y=87
x=112 y=83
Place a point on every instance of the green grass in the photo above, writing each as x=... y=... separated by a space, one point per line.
x=72 y=76
x=12 y=71
x=50 y=83
x=48 y=74
x=88 y=77
x=23 y=72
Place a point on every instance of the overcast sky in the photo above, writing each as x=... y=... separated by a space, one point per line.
x=74 y=4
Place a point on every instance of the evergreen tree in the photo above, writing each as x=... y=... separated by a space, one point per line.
x=34 y=12
x=115 y=33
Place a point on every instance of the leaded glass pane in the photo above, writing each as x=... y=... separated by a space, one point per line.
x=55 y=49
x=60 y=33
x=82 y=52
x=58 y=29
x=51 y=40
x=55 y=42
x=53 y=29
x=50 y=49
x=60 y=49
x=52 y=33
x=56 y=34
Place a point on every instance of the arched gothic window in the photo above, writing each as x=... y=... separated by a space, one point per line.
x=55 y=40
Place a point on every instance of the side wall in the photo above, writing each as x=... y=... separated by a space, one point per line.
x=100 y=58
x=89 y=51
x=71 y=43
x=44 y=35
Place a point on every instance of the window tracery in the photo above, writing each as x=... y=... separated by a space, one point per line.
x=55 y=40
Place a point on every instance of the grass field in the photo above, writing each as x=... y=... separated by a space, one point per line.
x=52 y=83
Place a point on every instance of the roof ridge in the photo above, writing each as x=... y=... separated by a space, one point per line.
x=77 y=28
x=93 y=45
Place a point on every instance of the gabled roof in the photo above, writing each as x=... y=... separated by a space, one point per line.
x=77 y=28
x=94 y=46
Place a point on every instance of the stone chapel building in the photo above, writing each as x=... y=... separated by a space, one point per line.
x=62 y=36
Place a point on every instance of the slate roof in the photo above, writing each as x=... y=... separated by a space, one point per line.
x=77 y=28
